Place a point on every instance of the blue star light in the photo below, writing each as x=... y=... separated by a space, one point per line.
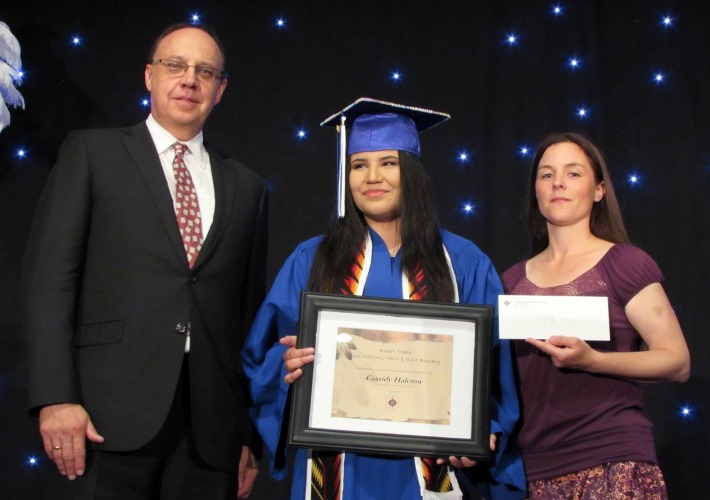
x=280 y=23
x=557 y=10
x=511 y=39
x=463 y=156
x=396 y=76
x=582 y=112
x=21 y=153
x=524 y=151
x=468 y=208
x=301 y=134
x=659 y=78
x=634 y=179
x=666 y=21
x=32 y=461
x=76 y=41
x=686 y=412
x=195 y=18
x=145 y=102
x=574 y=63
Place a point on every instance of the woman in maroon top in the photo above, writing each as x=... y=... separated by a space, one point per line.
x=584 y=432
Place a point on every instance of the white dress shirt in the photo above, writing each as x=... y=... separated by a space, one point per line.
x=197 y=162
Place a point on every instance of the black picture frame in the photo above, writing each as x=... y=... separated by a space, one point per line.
x=310 y=427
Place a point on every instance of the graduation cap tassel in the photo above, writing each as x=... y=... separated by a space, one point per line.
x=342 y=157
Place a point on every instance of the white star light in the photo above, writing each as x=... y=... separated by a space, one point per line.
x=511 y=39
x=280 y=23
x=667 y=21
x=573 y=63
x=659 y=78
x=396 y=76
x=195 y=18
x=21 y=153
x=76 y=41
x=463 y=156
x=634 y=179
x=582 y=112
x=524 y=151
x=557 y=10
x=468 y=208
x=301 y=134
x=145 y=102
x=32 y=461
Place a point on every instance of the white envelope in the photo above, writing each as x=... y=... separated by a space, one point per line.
x=540 y=316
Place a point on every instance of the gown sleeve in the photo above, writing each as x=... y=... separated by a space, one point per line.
x=262 y=354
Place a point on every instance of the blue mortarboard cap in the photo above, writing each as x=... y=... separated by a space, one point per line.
x=375 y=126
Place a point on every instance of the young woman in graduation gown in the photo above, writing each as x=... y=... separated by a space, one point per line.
x=386 y=244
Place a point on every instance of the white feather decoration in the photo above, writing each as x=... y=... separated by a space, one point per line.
x=10 y=66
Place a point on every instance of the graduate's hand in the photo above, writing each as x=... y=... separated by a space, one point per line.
x=294 y=358
x=461 y=462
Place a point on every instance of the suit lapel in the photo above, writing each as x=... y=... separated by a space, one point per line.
x=142 y=149
x=224 y=178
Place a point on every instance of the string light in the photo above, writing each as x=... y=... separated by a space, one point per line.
x=634 y=180
x=468 y=208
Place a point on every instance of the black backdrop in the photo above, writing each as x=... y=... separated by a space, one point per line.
x=452 y=57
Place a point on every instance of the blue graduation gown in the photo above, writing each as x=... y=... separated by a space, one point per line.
x=370 y=477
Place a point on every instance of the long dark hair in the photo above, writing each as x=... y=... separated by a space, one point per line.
x=605 y=222
x=421 y=241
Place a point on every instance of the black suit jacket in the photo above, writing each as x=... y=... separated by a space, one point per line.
x=108 y=293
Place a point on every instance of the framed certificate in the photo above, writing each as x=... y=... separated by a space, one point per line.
x=393 y=377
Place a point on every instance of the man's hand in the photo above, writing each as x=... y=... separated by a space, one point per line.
x=248 y=470
x=64 y=429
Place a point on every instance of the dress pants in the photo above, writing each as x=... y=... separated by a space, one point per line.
x=167 y=468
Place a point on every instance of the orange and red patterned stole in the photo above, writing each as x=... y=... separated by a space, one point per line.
x=326 y=474
x=436 y=477
x=327 y=466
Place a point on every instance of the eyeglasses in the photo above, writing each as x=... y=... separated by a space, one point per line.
x=205 y=74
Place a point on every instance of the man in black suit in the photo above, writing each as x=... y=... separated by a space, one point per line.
x=133 y=346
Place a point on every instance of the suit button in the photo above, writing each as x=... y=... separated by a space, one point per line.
x=180 y=329
x=193 y=278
